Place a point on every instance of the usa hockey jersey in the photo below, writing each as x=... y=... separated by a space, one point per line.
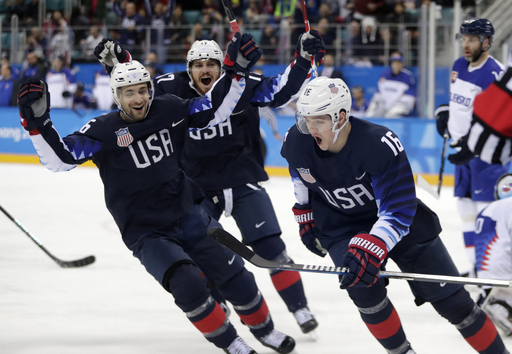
x=229 y=154
x=145 y=188
x=367 y=187
x=466 y=82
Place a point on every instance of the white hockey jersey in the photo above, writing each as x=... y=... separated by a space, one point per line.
x=493 y=240
x=102 y=91
x=466 y=82
x=58 y=83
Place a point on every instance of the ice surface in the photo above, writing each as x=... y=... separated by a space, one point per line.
x=114 y=306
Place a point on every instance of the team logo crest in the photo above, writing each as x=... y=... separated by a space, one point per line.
x=306 y=175
x=124 y=138
x=454 y=76
x=333 y=88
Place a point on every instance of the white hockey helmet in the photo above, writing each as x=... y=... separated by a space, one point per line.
x=204 y=50
x=323 y=96
x=503 y=188
x=126 y=74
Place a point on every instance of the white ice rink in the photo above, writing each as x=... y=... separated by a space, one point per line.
x=113 y=306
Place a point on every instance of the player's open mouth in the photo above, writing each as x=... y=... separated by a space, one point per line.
x=138 y=109
x=318 y=140
x=206 y=81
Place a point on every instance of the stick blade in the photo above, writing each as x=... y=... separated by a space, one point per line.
x=422 y=182
x=78 y=263
x=226 y=239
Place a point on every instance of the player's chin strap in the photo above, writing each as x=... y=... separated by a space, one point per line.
x=337 y=131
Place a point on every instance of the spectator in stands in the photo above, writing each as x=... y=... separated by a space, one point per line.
x=61 y=84
x=328 y=69
x=325 y=11
x=152 y=60
x=359 y=104
x=36 y=67
x=396 y=95
x=365 y=8
x=132 y=24
x=80 y=25
x=160 y=16
x=102 y=91
x=8 y=87
x=15 y=72
x=83 y=99
x=401 y=21
x=37 y=42
x=61 y=42
x=328 y=34
x=199 y=33
x=367 y=44
x=268 y=44
x=179 y=34
x=88 y=44
x=31 y=14
x=254 y=15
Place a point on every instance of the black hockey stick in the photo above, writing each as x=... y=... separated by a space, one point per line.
x=231 y=16
x=443 y=158
x=64 y=264
x=231 y=242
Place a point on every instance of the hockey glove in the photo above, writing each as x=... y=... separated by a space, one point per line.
x=464 y=155
x=442 y=114
x=241 y=55
x=363 y=259
x=311 y=44
x=251 y=52
x=111 y=53
x=34 y=104
x=308 y=231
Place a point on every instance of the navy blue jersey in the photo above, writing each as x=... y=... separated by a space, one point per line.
x=229 y=154
x=145 y=189
x=367 y=187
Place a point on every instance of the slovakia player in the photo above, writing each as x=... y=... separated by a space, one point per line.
x=490 y=136
x=396 y=93
x=226 y=160
x=471 y=74
x=154 y=203
x=493 y=246
x=357 y=202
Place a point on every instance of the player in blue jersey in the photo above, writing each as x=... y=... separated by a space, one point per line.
x=396 y=95
x=226 y=160
x=154 y=203
x=356 y=201
x=493 y=247
x=471 y=74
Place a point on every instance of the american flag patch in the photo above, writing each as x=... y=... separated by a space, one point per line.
x=306 y=175
x=333 y=88
x=124 y=138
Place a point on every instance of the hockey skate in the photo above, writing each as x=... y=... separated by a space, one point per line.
x=238 y=346
x=278 y=341
x=305 y=319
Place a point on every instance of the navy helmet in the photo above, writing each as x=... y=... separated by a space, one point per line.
x=480 y=27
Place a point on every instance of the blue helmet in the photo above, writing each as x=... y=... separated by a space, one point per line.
x=480 y=27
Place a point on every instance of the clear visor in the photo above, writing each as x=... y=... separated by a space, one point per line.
x=313 y=124
x=464 y=39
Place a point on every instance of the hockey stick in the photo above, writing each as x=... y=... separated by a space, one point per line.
x=229 y=241
x=421 y=182
x=64 y=264
x=231 y=16
x=306 y=25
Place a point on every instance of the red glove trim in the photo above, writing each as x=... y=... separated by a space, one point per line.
x=303 y=216
x=370 y=244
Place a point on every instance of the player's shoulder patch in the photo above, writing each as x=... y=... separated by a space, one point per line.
x=454 y=76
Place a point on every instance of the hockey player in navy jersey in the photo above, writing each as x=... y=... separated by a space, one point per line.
x=471 y=74
x=493 y=247
x=356 y=201
x=153 y=202
x=226 y=160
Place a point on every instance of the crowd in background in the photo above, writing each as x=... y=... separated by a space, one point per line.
x=161 y=31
